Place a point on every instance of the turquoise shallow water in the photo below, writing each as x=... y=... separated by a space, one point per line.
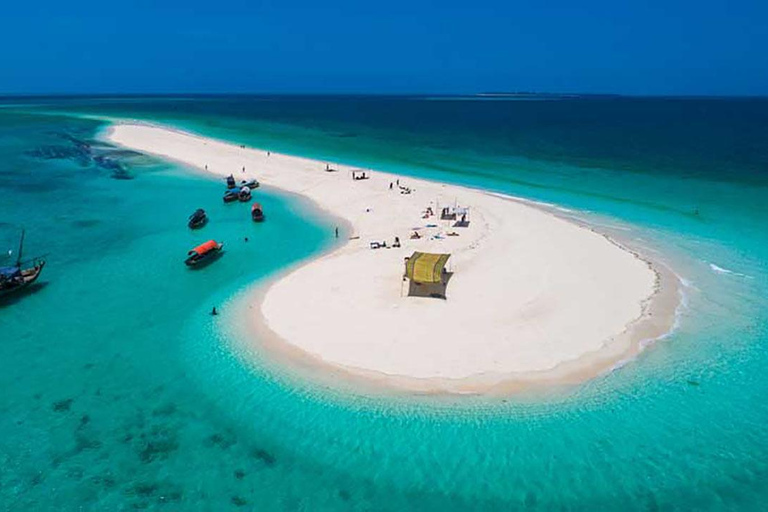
x=121 y=393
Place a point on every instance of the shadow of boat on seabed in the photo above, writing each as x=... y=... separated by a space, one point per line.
x=11 y=298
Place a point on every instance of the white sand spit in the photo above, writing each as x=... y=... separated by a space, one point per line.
x=532 y=296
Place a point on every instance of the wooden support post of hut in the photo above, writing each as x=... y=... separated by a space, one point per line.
x=458 y=214
x=462 y=217
x=427 y=275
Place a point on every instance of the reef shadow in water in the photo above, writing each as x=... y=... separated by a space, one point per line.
x=87 y=153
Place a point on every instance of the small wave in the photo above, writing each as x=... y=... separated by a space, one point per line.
x=524 y=200
x=606 y=225
x=721 y=270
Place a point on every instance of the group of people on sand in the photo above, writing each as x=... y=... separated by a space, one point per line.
x=415 y=235
x=403 y=189
x=383 y=245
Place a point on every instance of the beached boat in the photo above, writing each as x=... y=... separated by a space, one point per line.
x=250 y=184
x=231 y=195
x=204 y=253
x=20 y=275
x=197 y=219
x=244 y=195
x=257 y=213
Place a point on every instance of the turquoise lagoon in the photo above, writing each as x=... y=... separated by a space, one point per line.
x=121 y=392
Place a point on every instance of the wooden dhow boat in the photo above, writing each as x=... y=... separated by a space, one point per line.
x=16 y=277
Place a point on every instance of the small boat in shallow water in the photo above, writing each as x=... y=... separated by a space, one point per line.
x=204 y=253
x=244 y=195
x=250 y=184
x=231 y=195
x=257 y=213
x=17 y=277
x=197 y=219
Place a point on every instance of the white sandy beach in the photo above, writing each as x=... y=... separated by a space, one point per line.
x=532 y=296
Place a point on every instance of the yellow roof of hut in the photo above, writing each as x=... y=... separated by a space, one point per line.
x=425 y=267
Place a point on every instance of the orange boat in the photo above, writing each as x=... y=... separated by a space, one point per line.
x=257 y=214
x=203 y=253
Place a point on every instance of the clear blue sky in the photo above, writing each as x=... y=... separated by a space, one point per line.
x=650 y=47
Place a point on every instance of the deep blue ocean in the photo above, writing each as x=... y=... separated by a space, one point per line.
x=121 y=392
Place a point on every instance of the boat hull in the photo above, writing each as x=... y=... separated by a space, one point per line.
x=197 y=224
x=201 y=260
x=28 y=276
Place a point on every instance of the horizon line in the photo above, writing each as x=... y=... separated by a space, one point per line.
x=486 y=94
